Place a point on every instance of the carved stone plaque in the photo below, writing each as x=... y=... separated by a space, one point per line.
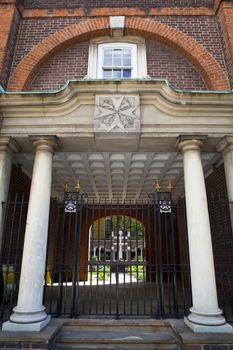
x=117 y=113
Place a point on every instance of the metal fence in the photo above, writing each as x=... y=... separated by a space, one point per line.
x=116 y=260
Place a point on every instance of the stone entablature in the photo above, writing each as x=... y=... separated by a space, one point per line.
x=164 y=115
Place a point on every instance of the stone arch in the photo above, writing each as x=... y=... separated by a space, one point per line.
x=202 y=60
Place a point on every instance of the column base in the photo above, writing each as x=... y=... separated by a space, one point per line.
x=199 y=328
x=214 y=318
x=10 y=326
x=21 y=315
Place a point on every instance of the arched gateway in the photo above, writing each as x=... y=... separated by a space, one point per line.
x=118 y=145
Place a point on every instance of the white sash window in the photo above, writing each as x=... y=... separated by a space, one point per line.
x=123 y=58
x=117 y=61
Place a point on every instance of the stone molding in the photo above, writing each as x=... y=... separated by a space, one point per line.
x=164 y=113
x=44 y=143
x=9 y=144
x=190 y=142
x=225 y=145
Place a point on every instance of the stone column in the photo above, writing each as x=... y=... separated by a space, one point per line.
x=226 y=147
x=7 y=147
x=29 y=314
x=205 y=314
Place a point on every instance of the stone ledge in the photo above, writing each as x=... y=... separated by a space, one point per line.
x=189 y=339
x=31 y=340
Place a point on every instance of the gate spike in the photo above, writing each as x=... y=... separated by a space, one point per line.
x=78 y=187
x=170 y=186
x=157 y=186
x=66 y=186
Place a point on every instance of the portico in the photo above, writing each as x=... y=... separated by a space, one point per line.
x=117 y=144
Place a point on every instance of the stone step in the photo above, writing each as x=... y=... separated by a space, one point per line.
x=116 y=335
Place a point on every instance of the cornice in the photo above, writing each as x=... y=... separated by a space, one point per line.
x=82 y=11
x=154 y=92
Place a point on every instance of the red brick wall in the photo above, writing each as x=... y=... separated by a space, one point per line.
x=67 y=65
x=204 y=29
x=205 y=21
x=165 y=63
x=119 y=3
x=33 y=31
x=8 y=31
x=226 y=30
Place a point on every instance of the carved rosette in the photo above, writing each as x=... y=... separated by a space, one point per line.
x=117 y=113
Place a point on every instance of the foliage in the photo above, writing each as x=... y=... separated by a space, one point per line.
x=94 y=258
x=104 y=273
x=137 y=271
x=126 y=223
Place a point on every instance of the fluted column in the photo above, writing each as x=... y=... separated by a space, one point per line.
x=29 y=313
x=205 y=314
x=226 y=147
x=7 y=147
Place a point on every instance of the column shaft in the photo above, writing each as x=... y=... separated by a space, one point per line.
x=29 y=309
x=205 y=310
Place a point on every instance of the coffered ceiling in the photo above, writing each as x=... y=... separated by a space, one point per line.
x=117 y=176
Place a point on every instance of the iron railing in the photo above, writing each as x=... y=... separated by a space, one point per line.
x=116 y=260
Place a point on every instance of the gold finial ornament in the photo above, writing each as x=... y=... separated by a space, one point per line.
x=157 y=186
x=170 y=186
x=66 y=186
x=78 y=187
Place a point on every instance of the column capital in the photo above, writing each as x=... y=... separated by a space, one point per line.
x=190 y=143
x=7 y=143
x=226 y=144
x=44 y=143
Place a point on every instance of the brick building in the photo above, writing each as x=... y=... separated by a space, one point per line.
x=123 y=99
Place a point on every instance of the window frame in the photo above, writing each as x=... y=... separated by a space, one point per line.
x=128 y=40
x=117 y=45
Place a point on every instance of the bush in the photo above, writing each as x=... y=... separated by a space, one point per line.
x=104 y=273
x=137 y=271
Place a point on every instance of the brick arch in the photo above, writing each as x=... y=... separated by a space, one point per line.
x=201 y=59
x=100 y=214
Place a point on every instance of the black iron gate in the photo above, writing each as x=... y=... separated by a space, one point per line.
x=117 y=259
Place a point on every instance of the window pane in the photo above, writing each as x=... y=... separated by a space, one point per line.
x=107 y=73
x=117 y=73
x=117 y=57
x=107 y=57
x=126 y=73
x=127 y=57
